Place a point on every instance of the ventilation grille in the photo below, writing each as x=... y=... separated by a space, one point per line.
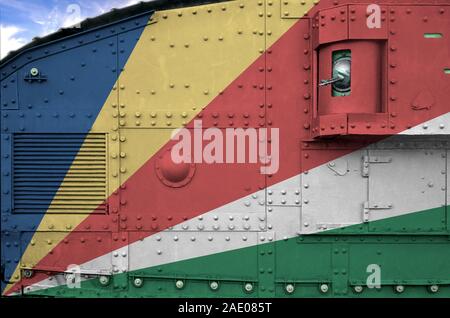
x=59 y=173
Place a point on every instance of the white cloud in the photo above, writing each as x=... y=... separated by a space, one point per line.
x=73 y=16
x=50 y=19
x=129 y=3
x=10 y=39
x=64 y=17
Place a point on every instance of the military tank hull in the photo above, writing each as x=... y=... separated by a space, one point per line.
x=318 y=133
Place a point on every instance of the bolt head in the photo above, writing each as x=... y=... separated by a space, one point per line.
x=104 y=280
x=358 y=289
x=179 y=284
x=248 y=287
x=214 y=285
x=34 y=71
x=138 y=282
x=434 y=288
x=290 y=288
x=324 y=288
x=399 y=288
x=28 y=273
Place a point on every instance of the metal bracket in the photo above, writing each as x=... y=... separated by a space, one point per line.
x=332 y=167
x=332 y=226
x=3 y=276
x=39 y=78
x=374 y=206
x=367 y=160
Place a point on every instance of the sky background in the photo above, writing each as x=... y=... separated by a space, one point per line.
x=22 y=20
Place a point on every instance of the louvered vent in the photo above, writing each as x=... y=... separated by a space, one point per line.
x=59 y=173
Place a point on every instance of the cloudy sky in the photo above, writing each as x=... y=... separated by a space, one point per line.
x=21 y=20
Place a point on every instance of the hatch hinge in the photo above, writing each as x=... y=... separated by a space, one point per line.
x=36 y=78
x=367 y=160
x=368 y=206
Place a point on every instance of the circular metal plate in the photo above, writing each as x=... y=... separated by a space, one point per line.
x=342 y=69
